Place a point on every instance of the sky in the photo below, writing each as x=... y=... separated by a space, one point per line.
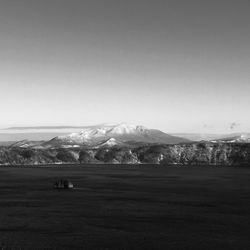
x=178 y=66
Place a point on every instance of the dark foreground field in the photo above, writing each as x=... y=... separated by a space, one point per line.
x=125 y=207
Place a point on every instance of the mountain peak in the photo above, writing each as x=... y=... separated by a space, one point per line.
x=124 y=128
x=116 y=134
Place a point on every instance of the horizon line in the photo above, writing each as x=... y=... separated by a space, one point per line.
x=54 y=127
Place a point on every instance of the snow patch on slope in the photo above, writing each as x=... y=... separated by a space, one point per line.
x=89 y=133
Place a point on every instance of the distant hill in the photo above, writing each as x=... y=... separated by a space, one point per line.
x=235 y=137
x=6 y=143
x=33 y=136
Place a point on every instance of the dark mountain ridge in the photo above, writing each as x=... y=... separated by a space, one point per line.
x=179 y=154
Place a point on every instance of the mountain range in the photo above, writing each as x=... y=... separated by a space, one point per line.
x=45 y=133
x=123 y=135
x=128 y=144
x=106 y=136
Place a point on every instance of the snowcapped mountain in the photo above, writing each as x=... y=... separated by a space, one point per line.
x=109 y=143
x=115 y=135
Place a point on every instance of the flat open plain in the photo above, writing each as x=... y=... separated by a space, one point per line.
x=125 y=207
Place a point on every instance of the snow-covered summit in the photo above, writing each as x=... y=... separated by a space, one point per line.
x=113 y=133
x=104 y=131
x=124 y=128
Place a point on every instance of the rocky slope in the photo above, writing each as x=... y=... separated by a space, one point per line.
x=205 y=153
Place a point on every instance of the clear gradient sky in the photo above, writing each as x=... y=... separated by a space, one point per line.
x=179 y=66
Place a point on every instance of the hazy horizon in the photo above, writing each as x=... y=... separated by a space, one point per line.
x=47 y=133
x=63 y=129
x=177 y=66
